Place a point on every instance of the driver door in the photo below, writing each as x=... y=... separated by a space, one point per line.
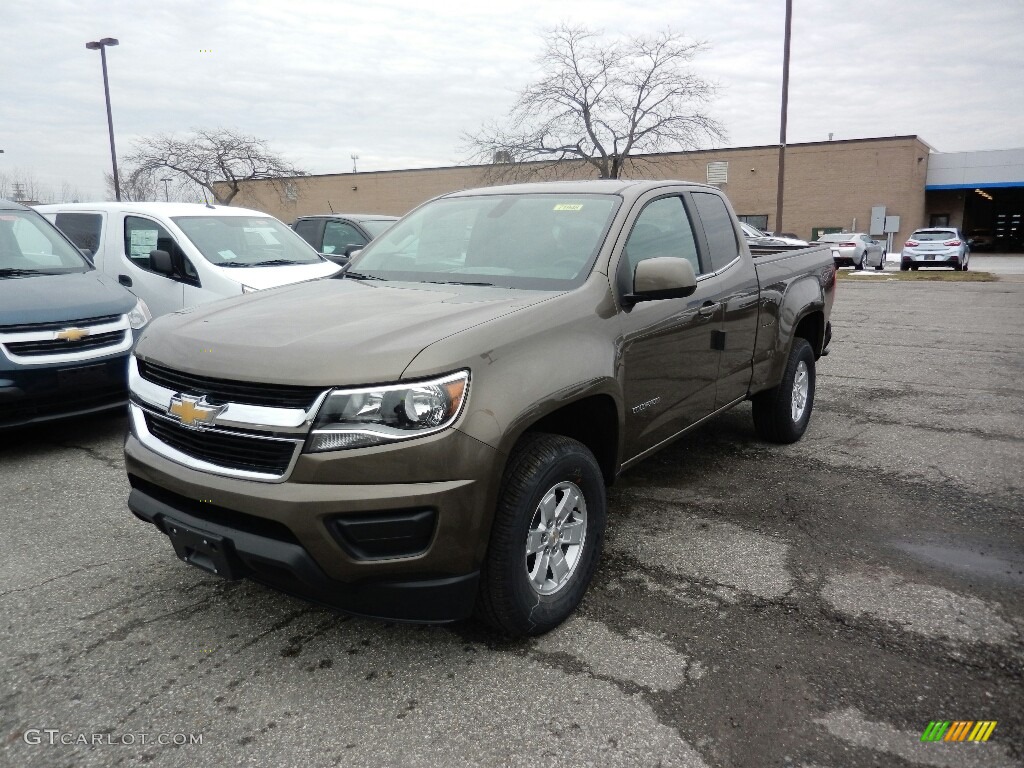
x=141 y=235
x=669 y=354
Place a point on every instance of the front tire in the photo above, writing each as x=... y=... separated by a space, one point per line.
x=546 y=538
x=781 y=414
x=860 y=264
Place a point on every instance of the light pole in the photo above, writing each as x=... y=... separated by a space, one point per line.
x=101 y=46
x=785 y=111
x=167 y=196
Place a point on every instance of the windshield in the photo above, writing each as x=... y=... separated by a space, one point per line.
x=934 y=234
x=377 y=227
x=246 y=241
x=838 y=237
x=541 y=241
x=30 y=245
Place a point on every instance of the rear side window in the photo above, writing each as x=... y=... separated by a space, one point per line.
x=718 y=229
x=661 y=229
x=82 y=229
x=308 y=230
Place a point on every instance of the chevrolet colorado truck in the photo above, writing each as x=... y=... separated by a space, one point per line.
x=430 y=433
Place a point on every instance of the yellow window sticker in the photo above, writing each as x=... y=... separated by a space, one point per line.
x=569 y=207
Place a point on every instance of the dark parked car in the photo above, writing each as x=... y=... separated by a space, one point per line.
x=338 y=236
x=66 y=329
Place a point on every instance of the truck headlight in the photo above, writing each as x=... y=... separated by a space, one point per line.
x=357 y=418
x=140 y=315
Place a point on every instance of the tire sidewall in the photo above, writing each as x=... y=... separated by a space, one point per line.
x=793 y=430
x=542 y=612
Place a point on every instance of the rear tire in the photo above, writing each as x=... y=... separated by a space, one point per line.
x=914 y=267
x=781 y=414
x=538 y=567
x=904 y=267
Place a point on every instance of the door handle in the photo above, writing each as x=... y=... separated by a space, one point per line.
x=125 y=281
x=707 y=309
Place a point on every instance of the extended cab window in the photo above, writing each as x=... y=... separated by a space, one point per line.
x=141 y=236
x=661 y=229
x=339 y=235
x=82 y=229
x=308 y=230
x=718 y=229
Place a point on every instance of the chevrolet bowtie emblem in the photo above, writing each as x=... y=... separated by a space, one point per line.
x=194 y=411
x=72 y=334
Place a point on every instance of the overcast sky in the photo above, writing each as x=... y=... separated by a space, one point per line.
x=398 y=82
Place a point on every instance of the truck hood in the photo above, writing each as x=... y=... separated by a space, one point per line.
x=261 y=278
x=58 y=298
x=323 y=333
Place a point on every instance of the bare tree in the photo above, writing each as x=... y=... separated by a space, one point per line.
x=137 y=186
x=215 y=162
x=22 y=185
x=599 y=103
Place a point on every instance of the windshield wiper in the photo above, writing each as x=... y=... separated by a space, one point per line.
x=17 y=272
x=455 y=282
x=360 y=276
x=275 y=262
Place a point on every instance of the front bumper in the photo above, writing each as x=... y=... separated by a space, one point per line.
x=38 y=393
x=286 y=535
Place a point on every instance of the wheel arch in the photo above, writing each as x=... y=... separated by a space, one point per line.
x=593 y=418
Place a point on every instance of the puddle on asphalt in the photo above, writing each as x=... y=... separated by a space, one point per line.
x=978 y=559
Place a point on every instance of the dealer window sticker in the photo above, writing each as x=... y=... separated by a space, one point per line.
x=569 y=207
x=143 y=241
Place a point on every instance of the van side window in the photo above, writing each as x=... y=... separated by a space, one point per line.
x=661 y=229
x=718 y=229
x=144 y=235
x=82 y=229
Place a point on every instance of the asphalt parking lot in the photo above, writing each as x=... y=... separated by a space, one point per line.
x=810 y=605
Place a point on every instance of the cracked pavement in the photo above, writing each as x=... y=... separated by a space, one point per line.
x=811 y=605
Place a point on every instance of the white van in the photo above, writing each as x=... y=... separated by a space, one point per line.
x=177 y=255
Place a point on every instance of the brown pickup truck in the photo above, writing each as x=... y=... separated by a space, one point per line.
x=431 y=432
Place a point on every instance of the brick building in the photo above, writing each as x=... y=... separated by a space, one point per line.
x=830 y=184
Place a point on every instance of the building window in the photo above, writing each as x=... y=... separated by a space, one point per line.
x=759 y=221
x=939 y=220
x=718 y=173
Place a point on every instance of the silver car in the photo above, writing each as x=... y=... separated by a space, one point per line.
x=936 y=247
x=855 y=249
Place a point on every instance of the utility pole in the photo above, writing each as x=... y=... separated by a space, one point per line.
x=782 y=129
x=354 y=158
x=101 y=46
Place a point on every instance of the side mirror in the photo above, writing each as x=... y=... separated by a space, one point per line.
x=663 y=277
x=160 y=262
x=352 y=250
